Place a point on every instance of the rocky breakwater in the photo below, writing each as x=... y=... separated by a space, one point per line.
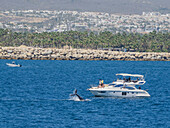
x=31 y=53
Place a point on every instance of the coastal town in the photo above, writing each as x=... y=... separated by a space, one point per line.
x=59 y=21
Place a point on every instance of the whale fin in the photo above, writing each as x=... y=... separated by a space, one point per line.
x=75 y=94
x=79 y=97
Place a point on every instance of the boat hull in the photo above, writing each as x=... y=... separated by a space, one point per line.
x=13 y=65
x=119 y=93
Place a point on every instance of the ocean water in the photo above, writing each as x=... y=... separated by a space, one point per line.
x=37 y=95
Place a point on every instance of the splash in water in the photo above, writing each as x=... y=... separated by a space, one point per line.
x=76 y=97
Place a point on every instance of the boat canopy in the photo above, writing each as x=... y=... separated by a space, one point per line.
x=125 y=74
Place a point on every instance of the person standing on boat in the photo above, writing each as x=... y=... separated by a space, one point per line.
x=102 y=83
x=129 y=79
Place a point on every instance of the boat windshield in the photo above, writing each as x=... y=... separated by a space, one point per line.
x=130 y=88
x=119 y=85
x=125 y=86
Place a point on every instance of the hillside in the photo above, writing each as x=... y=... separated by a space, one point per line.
x=111 y=6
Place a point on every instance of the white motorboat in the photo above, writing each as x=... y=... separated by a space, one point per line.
x=13 y=64
x=122 y=87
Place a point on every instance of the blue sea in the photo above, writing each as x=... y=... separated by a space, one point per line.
x=37 y=95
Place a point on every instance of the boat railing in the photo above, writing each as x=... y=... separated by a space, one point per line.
x=119 y=80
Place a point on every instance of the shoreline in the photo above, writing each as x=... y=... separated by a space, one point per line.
x=32 y=53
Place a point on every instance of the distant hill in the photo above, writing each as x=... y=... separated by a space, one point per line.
x=110 y=6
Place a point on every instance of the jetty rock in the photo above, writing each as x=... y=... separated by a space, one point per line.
x=67 y=53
